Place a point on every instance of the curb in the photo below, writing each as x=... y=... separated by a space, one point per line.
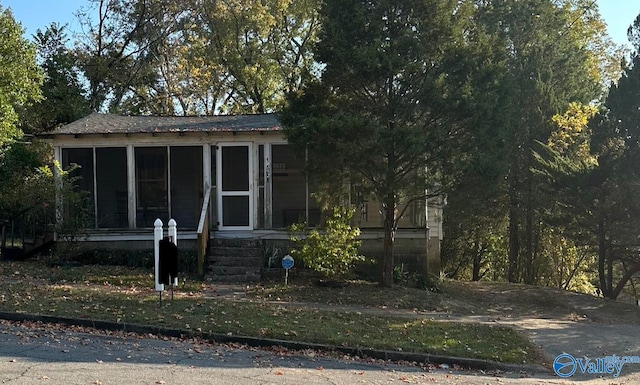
x=469 y=363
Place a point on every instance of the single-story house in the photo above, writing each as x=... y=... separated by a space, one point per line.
x=222 y=178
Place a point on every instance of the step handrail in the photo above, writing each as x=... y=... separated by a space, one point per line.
x=203 y=232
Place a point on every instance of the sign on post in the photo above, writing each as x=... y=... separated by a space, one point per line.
x=287 y=264
x=165 y=256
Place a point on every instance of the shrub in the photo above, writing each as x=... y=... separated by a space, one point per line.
x=333 y=251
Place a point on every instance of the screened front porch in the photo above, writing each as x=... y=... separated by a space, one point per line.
x=253 y=185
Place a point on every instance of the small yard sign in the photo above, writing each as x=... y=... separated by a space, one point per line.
x=287 y=263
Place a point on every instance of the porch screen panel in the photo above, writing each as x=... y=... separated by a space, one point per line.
x=235 y=181
x=186 y=185
x=289 y=186
x=235 y=175
x=82 y=210
x=236 y=210
x=111 y=186
x=151 y=185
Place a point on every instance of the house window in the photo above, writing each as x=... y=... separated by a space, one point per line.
x=152 y=199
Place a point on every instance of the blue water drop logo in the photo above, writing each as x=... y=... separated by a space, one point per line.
x=565 y=365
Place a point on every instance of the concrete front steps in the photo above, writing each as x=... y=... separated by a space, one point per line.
x=234 y=260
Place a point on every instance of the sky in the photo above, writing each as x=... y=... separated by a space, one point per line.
x=37 y=14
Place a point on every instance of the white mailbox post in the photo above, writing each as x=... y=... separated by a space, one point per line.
x=173 y=237
x=157 y=236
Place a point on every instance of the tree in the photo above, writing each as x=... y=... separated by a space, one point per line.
x=118 y=50
x=616 y=141
x=197 y=57
x=187 y=83
x=63 y=93
x=549 y=65
x=263 y=47
x=20 y=77
x=596 y=192
x=386 y=111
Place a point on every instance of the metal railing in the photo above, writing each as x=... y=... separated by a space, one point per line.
x=25 y=233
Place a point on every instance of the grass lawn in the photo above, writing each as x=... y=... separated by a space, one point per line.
x=123 y=294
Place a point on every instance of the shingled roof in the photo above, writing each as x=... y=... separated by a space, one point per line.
x=97 y=123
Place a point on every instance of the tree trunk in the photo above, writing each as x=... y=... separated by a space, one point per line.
x=514 y=245
x=528 y=230
x=610 y=274
x=623 y=281
x=602 y=256
x=477 y=259
x=386 y=279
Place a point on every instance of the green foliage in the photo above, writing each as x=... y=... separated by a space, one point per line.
x=262 y=49
x=331 y=252
x=596 y=196
x=63 y=93
x=20 y=76
x=567 y=266
x=428 y=282
x=173 y=57
x=118 y=51
x=390 y=101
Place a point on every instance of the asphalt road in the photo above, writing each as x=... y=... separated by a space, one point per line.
x=46 y=354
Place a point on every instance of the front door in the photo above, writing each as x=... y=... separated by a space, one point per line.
x=235 y=198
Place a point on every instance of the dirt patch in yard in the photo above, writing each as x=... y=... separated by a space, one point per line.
x=457 y=298
x=517 y=300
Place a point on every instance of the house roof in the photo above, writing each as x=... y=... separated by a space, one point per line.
x=97 y=123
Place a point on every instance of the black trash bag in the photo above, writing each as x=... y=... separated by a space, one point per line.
x=168 y=261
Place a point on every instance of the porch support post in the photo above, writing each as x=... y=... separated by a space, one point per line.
x=255 y=182
x=131 y=186
x=206 y=168
x=268 y=210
